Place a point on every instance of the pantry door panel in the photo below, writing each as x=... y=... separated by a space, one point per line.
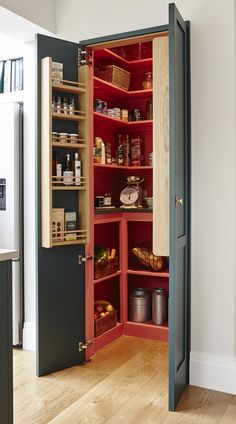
x=60 y=294
x=179 y=313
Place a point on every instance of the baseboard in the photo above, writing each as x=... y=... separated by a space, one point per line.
x=214 y=372
x=29 y=336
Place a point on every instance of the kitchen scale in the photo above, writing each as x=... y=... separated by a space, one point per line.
x=131 y=196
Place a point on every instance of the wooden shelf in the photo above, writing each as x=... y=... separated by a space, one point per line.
x=122 y=168
x=69 y=145
x=65 y=243
x=68 y=88
x=68 y=117
x=109 y=57
x=114 y=123
x=146 y=330
x=108 y=277
x=68 y=188
x=148 y=273
x=105 y=87
x=108 y=337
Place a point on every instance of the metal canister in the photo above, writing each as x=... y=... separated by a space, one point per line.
x=139 y=305
x=159 y=306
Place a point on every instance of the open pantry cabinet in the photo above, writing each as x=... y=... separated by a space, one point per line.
x=146 y=130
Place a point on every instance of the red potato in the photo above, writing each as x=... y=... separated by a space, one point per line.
x=99 y=308
x=96 y=315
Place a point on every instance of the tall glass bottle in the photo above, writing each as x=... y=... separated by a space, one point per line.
x=68 y=171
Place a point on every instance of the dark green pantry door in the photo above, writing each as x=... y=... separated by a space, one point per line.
x=60 y=294
x=179 y=315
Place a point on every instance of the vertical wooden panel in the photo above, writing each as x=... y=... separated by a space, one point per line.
x=160 y=146
x=46 y=151
x=84 y=75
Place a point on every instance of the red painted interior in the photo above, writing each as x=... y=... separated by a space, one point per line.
x=123 y=231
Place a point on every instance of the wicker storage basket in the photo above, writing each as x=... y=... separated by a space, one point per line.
x=115 y=76
x=104 y=268
x=103 y=324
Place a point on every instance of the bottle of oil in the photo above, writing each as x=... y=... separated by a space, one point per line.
x=77 y=169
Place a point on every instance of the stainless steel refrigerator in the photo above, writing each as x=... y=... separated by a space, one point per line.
x=11 y=195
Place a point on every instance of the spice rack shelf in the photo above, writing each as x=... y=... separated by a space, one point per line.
x=68 y=117
x=79 y=194
x=69 y=145
x=102 y=86
x=71 y=188
x=69 y=87
x=108 y=277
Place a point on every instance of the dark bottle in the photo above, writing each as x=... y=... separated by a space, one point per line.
x=58 y=168
x=68 y=171
x=120 y=152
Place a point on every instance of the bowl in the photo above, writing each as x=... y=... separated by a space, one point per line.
x=149 y=201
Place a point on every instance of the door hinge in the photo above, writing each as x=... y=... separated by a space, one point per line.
x=86 y=345
x=82 y=259
x=84 y=57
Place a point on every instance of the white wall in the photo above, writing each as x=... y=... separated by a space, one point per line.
x=42 y=13
x=213 y=162
x=11 y=48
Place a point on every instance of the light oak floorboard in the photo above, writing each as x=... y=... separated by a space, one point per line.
x=113 y=392
x=229 y=416
x=125 y=382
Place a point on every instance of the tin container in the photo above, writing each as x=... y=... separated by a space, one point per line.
x=159 y=306
x=99 y=201
x=139 y=305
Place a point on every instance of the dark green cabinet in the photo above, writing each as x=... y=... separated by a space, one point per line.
x=6 y=359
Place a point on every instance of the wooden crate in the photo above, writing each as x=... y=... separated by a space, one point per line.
x=103 y=324
x=106 y=267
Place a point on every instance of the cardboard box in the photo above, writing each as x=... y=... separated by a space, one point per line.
x=57 y=73
x=57 y=225
x=70 y=225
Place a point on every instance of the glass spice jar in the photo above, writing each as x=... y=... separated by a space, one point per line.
x=147 y=81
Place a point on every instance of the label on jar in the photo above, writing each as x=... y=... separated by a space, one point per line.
x=107 y=201
x=68 y=177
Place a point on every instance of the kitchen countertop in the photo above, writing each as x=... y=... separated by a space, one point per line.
x=7 y=254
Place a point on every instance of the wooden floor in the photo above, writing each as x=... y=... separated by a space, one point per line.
x=125 y=383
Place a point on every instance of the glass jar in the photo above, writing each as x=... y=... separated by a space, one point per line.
x=55 y=138
x=147 y=81
x=107 y=200
x=63 y=137
x=73 y=138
